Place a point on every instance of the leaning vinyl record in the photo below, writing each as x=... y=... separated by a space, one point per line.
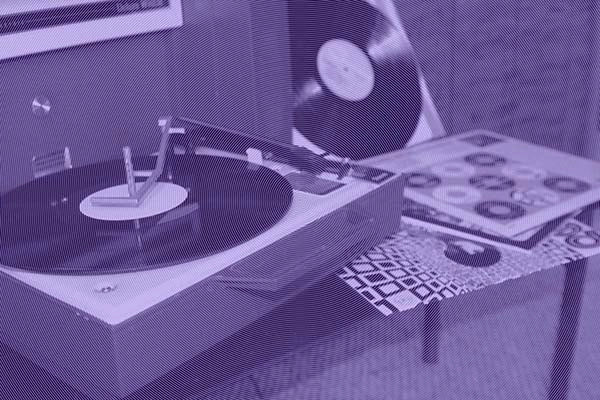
x=48 y=225
x=356 y=81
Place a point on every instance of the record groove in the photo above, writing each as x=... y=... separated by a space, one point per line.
x=356 y=81
x=228 y=203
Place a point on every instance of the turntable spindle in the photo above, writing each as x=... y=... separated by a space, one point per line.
x=129 y=174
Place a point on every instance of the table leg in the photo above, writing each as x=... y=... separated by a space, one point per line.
x=566 y=338
x=431 y=332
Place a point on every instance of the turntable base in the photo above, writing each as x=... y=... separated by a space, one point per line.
x=97 y=329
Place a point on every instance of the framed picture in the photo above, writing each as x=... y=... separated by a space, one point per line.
x=33 y=26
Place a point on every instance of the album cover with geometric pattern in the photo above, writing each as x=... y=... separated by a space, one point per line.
x=502 y=184
x=394 y=280
x=417 y=265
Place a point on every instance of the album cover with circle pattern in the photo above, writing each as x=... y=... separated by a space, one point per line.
x=431 y=218
x=501 y=184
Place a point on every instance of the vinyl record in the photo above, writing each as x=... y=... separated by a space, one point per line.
x=227 y=203
x=566 y=184
x=538 y=197
x=453 y=170
x=456 y=194
x=500 y=210
x=491 y=182
x=485 y=159
x=589 y=241
x=422 y=180
x=470 y=253
x=524 y=172
x=356 y=81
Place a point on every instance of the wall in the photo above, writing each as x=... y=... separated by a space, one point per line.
x=109 y=94
x=522 y=68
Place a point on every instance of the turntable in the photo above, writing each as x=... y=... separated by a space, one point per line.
x=112 y=259
x=115 y=273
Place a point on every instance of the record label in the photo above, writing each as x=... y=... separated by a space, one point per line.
x=346 y=70
x=453 y=170
x=163 y=197
x=457 y=194
x=524 y=172
x=538 y=197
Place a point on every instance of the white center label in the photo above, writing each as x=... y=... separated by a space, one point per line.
x=163 y=197
x=345 y=69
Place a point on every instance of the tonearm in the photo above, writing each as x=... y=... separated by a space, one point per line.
x=196 y=134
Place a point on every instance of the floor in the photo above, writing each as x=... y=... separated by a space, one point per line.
x=489 y=349
x=496 y=343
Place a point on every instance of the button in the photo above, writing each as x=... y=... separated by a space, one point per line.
x=40 y=106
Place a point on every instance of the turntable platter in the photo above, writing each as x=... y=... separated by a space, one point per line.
x=227 y=203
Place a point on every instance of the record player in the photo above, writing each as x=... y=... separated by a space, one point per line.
x=73 y=305
x=117 y=272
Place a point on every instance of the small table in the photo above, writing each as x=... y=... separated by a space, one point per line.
x=324 y=310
